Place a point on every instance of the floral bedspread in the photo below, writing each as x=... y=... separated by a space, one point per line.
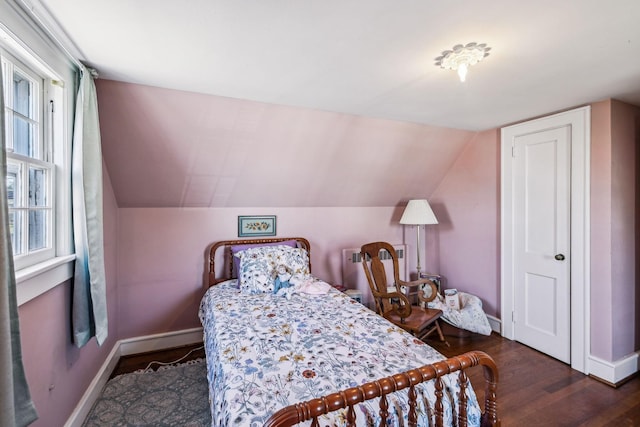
x=265 y=352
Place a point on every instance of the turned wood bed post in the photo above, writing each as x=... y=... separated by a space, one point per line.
x=462 y=399
x=312 y=409
x=490 y=414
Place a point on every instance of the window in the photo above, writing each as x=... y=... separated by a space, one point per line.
x=39 y=90
x=30 y=168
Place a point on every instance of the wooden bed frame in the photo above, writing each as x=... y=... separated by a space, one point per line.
x=381 y=388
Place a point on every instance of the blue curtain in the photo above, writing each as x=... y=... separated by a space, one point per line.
x=16 y=407
x=89 y=305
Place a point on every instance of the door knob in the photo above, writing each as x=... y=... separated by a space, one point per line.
x=559 y=257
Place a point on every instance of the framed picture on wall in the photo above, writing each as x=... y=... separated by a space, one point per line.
x=252 y=226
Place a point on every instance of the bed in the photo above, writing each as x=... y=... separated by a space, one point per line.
x=310 y=355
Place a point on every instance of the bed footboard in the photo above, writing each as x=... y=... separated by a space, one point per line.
x=312 y=409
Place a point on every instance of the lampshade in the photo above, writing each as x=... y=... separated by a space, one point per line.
x=418 y=212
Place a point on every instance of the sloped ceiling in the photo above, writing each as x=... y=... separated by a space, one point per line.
x=167 y=148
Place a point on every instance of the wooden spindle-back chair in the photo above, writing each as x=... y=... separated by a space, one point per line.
x=395 y=306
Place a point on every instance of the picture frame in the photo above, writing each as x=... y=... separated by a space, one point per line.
x=256 y=225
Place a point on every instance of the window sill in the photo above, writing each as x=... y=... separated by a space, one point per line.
x=34 y=281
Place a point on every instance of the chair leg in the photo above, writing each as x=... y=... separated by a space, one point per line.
x=440 y=334
x=434 y=328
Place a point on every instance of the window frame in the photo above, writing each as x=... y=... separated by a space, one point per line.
x=59 y=87
x=42 y=117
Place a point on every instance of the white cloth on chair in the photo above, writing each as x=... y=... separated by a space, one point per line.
x=471 y=316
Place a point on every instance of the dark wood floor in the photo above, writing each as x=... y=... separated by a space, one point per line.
x=537 y=390
x=533 y=390
x=134 y=362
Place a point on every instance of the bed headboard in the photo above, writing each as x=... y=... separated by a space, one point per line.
x=222 y=252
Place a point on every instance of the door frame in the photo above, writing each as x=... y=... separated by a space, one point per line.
x=580 y=121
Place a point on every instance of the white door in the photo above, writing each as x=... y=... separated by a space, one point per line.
x=541 y=245
x=533 y=299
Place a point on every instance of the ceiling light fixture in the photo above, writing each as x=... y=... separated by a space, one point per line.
x=461 y=57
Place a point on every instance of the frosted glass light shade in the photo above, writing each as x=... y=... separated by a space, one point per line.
x=418 y=212
x=460 y=57
x=462 y=72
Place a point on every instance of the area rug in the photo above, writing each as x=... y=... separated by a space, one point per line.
x=170 y=396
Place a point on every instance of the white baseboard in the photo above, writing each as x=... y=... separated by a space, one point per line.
x=160 y=341
x=496 y=324
x=93 y=391
x=123 y=348
x=613 y=372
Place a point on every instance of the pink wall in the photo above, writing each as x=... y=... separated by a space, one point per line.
x=58 y=373
x=185 y=165
x=624 y=194
x=601 y=297
x=161 y=254
x=614 y=237
x=464 y=246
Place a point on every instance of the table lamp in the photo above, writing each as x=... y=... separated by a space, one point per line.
x=418 y=212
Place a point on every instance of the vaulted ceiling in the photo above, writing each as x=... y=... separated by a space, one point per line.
x=167 y=148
